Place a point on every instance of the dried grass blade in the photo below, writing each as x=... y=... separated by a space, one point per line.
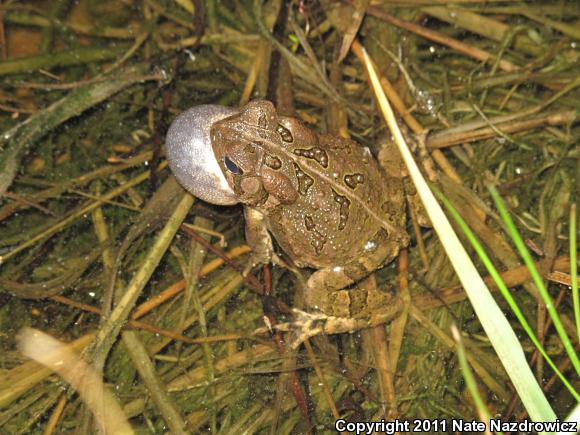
x=491 y=317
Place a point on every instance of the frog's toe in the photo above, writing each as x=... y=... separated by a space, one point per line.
x=247 y=269
x=258 y=258
x=305 y=326
x=251 y=264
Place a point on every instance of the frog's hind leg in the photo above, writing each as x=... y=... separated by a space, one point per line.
x=366 y=307
x=325 y=286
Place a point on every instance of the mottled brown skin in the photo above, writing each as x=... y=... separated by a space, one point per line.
x=324 y=198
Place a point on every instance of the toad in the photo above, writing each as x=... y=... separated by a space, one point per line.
x=323 y=198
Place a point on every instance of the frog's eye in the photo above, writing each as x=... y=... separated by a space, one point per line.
x=231 y=166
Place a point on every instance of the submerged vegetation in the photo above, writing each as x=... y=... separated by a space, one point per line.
x=100 y=247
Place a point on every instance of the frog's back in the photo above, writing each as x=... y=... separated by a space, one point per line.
x=329 y=224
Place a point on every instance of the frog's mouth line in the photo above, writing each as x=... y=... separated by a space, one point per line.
x=253 y=131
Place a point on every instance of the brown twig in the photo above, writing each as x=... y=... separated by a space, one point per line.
x=440 y=38
x=453 y=137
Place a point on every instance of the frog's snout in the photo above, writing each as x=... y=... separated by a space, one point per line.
x=191 y=157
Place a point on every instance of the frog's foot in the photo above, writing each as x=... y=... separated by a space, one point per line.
x=259 y=259
x=309 y=325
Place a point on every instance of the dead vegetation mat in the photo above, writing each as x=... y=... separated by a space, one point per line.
x=101 y=247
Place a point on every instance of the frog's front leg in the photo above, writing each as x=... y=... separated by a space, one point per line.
x=259 y=239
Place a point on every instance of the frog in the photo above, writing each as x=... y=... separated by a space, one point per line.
x=324 y=199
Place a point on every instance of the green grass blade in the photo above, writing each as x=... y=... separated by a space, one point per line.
x=496 y=326
x=574 y=268
x=484 y=414
x=536 y=277
x=493 y=272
